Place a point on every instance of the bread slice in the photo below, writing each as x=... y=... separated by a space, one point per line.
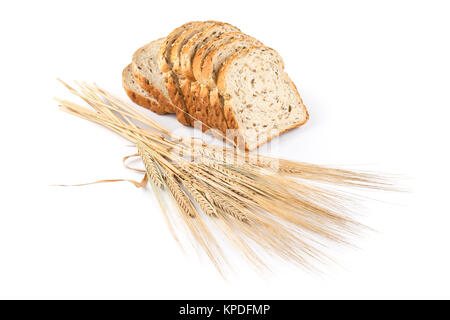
x=138 y=94
x=208 y=95
x=259 y=98
x=146 y=71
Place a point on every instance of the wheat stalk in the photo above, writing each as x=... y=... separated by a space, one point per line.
x=288 y=212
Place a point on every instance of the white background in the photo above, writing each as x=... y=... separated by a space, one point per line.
x=375 y=76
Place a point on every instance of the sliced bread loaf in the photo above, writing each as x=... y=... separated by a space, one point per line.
x=138 y=94
x=260 y=101
x=146 y=71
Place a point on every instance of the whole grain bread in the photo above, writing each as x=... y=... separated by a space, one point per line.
x=147 y=72
x=259 y=98
x=137 y=94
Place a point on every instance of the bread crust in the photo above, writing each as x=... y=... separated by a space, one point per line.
x=194 y=106
x=152 y=90
x=188 y=33
x=176 y=83
x=183 y=98
x=165 y=49
x=145 y=102
x=186 y=57
x=198 y=59
x=206 y=69
x=208 y=77
x=148 y=103
x=177 y=98
x=165 y=54
x=211 y=111
x=189 y=99
x=198 y=106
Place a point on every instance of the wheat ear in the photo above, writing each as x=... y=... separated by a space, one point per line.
x=201 y=200
x=150 y=165
x=226 y=206
x=180 y=196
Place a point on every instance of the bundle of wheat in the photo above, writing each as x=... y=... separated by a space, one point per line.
x=279 y=205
